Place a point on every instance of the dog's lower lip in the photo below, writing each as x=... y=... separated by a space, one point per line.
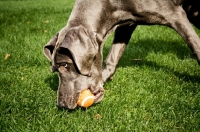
x=61 y=105
x=96 y=96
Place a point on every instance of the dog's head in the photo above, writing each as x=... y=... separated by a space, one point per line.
x=76 y=56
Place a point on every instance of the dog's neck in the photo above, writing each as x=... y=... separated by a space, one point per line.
x=101 y=24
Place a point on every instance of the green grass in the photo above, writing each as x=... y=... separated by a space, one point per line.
x=161 y=92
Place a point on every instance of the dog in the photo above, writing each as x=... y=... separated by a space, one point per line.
x=75 y=52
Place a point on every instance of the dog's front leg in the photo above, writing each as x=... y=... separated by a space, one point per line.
x=121 y=39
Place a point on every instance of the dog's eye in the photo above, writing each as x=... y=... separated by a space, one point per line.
x=63 y=64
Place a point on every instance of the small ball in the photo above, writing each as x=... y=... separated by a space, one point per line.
x=86 y=98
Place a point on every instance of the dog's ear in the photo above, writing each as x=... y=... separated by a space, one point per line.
x=83 y=47
x=49 y=47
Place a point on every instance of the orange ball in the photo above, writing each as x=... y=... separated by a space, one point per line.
x=86 y=98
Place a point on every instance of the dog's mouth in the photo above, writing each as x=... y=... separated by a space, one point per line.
x=98 y=96
x=70 y=102
x=98 y=93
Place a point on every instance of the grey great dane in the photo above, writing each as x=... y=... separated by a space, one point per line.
x=75 y=52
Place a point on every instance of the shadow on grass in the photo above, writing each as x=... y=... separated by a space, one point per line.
x=184 y=76
x=143 y=47
x=74 y=110
x=53 y=81
x=156 y=46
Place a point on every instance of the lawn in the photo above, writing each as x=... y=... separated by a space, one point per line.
x=156 y=86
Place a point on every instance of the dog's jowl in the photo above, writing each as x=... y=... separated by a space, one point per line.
x=75 y=52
